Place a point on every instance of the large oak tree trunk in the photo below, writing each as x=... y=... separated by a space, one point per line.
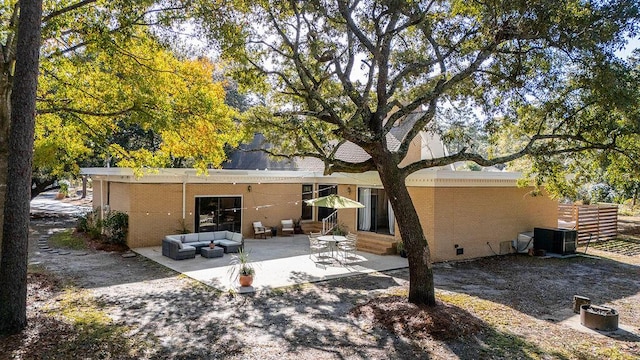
x=15 y=234
x=5 y=121
x=421 y=285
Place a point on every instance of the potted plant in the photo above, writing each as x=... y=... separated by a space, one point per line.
x=63 y=192
x=241 y=270
x=339 y=229
x=400 y=249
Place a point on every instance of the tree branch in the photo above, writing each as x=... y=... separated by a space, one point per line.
x=66 y=9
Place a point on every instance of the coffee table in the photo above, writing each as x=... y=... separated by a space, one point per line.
x=208 y=252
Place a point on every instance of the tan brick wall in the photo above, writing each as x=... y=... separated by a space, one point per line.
x=119 y=197
x=114 y=194
x=423 y=201
x=96 y=185
x=156 y=209
x=469 y=217
x=348 y=217
x=268 y=203
x=479 y=219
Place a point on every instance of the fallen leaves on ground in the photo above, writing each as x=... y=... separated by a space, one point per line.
x=440 y=322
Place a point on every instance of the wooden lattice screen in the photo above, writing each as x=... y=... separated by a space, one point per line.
x=598 y=222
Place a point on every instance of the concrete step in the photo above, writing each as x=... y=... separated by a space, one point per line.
x=311 y=226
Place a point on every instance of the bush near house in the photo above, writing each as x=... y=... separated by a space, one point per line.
x=112 y=230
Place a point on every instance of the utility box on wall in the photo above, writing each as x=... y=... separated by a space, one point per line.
x=559 y=241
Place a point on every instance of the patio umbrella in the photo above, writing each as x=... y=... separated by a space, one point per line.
x=334 y=201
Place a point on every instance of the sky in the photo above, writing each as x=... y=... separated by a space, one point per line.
x=634 y=43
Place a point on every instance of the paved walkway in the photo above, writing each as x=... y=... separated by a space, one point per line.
x=47 y=203
x=279 y=261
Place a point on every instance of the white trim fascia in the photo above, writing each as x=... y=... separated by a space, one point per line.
x=422 y=178
x=449 y=178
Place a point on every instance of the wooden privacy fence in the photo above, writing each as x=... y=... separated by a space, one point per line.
x=598 y=222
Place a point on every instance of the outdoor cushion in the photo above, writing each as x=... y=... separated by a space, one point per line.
x=191 y=238
x=229 y=246
x=206 y=236
x=231 y=242
x=172 y=247
x=287 y=226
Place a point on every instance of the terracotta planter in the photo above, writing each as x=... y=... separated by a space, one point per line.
x=246 y=280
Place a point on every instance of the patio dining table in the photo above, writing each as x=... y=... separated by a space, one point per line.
x=333 y=240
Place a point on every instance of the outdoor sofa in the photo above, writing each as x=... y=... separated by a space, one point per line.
x=186 y=246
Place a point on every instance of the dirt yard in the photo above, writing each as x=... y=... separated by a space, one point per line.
x=100 y=305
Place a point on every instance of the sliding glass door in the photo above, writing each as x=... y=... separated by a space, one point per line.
x=215 y=213
x=377 y=215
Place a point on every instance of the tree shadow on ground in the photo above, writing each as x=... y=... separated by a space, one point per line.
x=316 y=319
x=541 y=287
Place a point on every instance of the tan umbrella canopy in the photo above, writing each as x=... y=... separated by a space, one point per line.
x=334 y=201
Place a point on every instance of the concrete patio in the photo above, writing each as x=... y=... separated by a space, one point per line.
x=279 y=262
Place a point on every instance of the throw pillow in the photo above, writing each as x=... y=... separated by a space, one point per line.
x=183 y=238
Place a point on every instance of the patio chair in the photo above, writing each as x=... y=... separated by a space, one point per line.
x=348 y=246
x=287 y=227
x=259 y=230
x=316 y=245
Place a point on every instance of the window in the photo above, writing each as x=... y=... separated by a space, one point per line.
x=307 y=193
x=217 y=213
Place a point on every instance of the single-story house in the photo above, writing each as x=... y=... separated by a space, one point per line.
x=464 y=214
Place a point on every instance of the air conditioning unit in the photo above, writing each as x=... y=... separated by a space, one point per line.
x=524 y=242
x=559 y=241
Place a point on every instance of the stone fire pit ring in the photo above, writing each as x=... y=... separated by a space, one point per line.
x=599 y=317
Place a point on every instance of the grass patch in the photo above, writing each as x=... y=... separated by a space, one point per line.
x=68 y=240
x=587 y=351
x=93 y=330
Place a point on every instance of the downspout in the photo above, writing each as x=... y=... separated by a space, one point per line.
x=101 y=199
x=184 y=198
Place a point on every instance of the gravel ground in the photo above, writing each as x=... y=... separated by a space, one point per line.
x=521 y=298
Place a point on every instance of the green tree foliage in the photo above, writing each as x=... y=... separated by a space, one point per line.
x=112 y=92
x=102 y=71
x=335 y=71
x=602 y=108
x=93 y=102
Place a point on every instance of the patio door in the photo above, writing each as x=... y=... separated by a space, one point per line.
x=216 y=213
x=307 y=194
x=376 y=216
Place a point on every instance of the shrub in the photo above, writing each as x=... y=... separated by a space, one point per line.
x=91 y=224
x=64 y=188
x=601 y=192
x=116 y=225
